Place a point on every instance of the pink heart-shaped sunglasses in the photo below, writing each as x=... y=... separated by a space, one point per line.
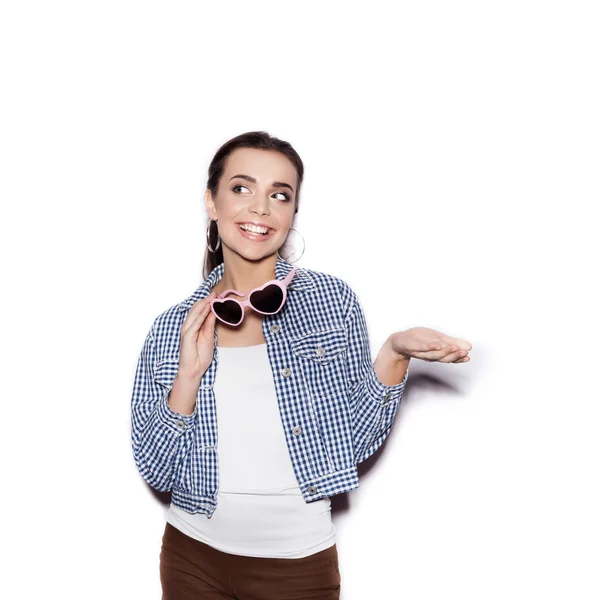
x=268 y=299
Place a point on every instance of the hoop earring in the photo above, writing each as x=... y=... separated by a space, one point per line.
x=208 y=236
x=303 y=248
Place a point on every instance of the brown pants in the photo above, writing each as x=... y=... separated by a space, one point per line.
x=192 y=570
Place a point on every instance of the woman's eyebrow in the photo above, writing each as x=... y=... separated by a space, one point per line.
x=253 y=180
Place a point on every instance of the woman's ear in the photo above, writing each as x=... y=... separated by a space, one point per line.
x=210 y=205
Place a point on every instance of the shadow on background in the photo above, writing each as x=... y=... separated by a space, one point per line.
x=417 y=380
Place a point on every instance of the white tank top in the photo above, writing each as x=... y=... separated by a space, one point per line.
x=260 y=509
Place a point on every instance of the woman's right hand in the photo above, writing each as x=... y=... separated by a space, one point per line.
x=197 y=340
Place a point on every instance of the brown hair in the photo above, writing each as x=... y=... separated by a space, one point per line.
x=252 y=139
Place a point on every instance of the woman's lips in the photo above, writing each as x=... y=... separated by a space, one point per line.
x=255 y=237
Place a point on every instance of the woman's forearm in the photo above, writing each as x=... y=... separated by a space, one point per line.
x=389 y=366
x=182 y=398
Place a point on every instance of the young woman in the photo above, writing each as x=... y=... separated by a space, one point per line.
x=256 y=397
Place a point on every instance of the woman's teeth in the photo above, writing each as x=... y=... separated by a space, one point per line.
x=255 y=229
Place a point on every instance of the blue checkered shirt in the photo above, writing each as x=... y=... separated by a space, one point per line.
x=335 y=412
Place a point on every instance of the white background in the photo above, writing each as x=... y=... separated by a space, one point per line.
x=451 y=154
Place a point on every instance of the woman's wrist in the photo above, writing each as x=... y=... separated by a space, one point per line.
x=393 y=355
x=390 y=366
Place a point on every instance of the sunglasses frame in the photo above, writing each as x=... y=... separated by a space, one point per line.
x=220 y=299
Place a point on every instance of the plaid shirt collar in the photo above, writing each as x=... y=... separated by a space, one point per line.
x=301 y=282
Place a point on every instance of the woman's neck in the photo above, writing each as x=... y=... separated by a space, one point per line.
x=245 y=275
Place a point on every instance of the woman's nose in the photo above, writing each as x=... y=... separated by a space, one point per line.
x=260 y=206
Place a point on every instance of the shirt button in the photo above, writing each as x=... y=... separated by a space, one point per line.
x=275 y=328
x=297 y=430
x=312 y=490
x=286 y=372
x=387 y=396
x=180 y=424
x=320 y=351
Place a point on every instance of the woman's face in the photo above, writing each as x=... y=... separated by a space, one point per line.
x=257 y=186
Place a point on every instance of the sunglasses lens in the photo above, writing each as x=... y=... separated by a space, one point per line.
x=268 y=300
x=228 y=311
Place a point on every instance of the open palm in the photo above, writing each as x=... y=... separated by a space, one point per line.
x=431 y=345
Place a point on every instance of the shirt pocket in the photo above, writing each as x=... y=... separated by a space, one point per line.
x=321 y=357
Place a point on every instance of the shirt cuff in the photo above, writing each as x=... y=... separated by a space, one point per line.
x=384 y=394
x=176 y=421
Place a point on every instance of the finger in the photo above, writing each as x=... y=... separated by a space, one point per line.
x=430 y=347
x=207 y=329
x=454 y=356
x=462 y=344
x=194 y=325
x=209 y=322
x=420 y=349
x=454 y=341
x=438 y=355
x=199 y=305
x=463 y=358
x=196 y=321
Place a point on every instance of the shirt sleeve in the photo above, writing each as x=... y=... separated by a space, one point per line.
x=160 y=437
x=373 y=404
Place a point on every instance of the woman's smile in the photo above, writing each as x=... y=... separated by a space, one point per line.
x=253 y=233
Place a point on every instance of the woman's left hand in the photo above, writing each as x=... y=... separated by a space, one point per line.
x=429 y=344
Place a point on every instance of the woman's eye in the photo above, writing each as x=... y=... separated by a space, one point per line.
x=235 y=189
